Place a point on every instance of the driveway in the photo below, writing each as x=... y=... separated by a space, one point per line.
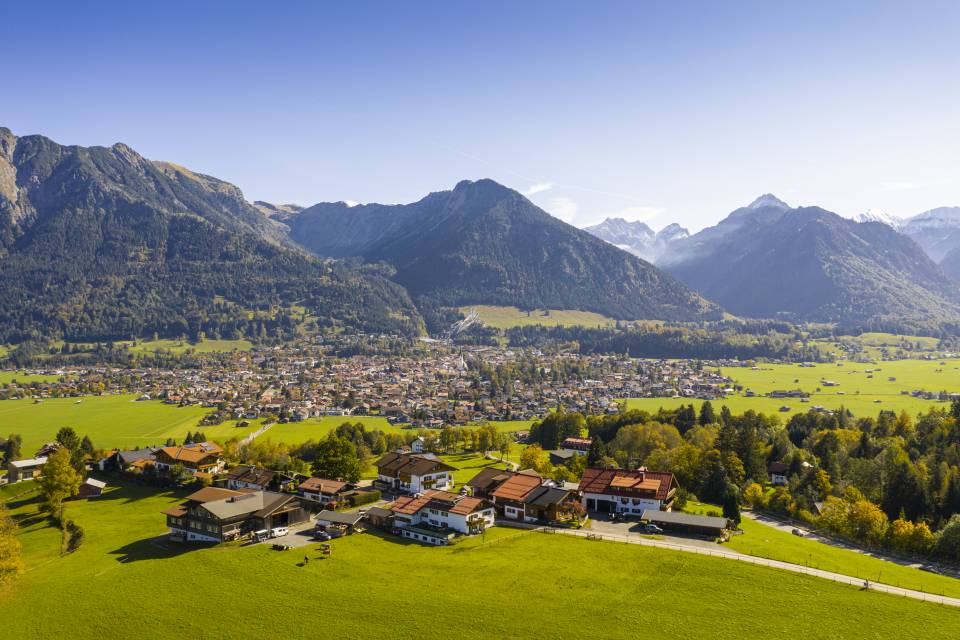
x=627 y=529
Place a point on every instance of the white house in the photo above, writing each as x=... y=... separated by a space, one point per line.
x=418 y=445
x=627 y=492
x=20 y=470
x=414 y=472
x=443 y=510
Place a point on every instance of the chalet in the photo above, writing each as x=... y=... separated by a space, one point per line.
x=201 y=457
x=579 y=446
x=123 y=460
x=29 y=469
x=257 y=478
x=413 y=472
x=778 y=473
x=528 y=497
x=322 y=490
x=627 y=492
x=487 y=480
x=418 y=445
x=46 y=450
x=214 y=514
x=436 y=516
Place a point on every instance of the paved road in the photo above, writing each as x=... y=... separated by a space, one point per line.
x=714 y=550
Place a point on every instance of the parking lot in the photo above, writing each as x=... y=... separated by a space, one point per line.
x=603 y=526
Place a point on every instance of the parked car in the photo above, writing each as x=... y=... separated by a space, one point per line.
x=321 y=535
x=797 y=532
x=651 y=528
x=260 y=536
x=279 y=532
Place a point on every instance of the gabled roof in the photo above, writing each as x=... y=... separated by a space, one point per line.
x=252 y=475
x=259 y=503
x=546 y=496
x=193 y=452
x=29 y=462
x=415 y=464
x=517 y=487
x=488 y=478
x=654 y=485
x=209 y=494
x=440 y=500
x=322 y=485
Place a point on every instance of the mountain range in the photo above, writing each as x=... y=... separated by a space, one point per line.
x=100 y=243
x=638 y=238
x=483 y=243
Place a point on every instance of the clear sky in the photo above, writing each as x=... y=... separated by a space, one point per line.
x=666 y=111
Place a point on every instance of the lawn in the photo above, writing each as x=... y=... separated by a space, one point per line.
x=110 y=421
x=855 y=390
x=318 y=428
x=578 y=588
x=178 y=346
x=765 y=541
x=7 y=377
x=469 y=465
x=506 y=317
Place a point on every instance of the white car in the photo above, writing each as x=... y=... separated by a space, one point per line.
x=279 y=532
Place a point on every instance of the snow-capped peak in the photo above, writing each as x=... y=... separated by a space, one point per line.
x=873 y=215
x=768 y=200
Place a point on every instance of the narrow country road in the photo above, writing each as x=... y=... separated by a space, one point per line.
x=742 y=557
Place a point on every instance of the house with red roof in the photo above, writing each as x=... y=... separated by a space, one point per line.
x=436 y=516
x=627 y=492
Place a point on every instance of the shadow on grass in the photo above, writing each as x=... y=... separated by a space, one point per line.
x=157 y=548
x=389 y=537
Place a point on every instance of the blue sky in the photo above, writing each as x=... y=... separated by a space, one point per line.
x=665 y=112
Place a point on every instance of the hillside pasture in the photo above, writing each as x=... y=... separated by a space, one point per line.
x=864 y=389
x=598 y=589
x=507 y=317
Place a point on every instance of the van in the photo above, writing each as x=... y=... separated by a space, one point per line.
x=279 y=532
x=260 y=536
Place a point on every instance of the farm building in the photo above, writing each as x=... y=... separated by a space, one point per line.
x=712 y=526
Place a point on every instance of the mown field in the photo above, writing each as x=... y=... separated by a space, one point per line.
x=517 y=585
x=110 y=421
x=764 y=541
x=178 y=346
x=7 y=377
x=856 y=389
x=507 y=317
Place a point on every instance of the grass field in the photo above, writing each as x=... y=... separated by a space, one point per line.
x=765 y=541
x=506 y=317
x=110 y=421
x=318 y=428
x=469 y=465
x=476 y=590
x=178 y=346
x=22 y=378
x=860 y=393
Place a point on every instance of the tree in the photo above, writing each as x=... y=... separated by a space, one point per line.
x=68 y=437
x=866 y=522
x=731 y=505
x=596 y=453
x=753 y=495
x=533 y=457
x=11 y=563
x=12 y=446
x=60 y=480
x=948 y=540
x=336 y=457
x=707 y=414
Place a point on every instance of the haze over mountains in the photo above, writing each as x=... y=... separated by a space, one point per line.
x=100 y=243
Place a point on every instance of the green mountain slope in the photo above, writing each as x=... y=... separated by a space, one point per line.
x=100 y=243
x=483 y=243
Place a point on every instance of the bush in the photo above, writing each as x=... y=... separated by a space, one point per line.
x=365 y=497
x=72 y=538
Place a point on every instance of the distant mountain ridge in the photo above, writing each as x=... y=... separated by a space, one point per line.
x=637 y=237
x=99 y=243
x=808 y=264
x=482 y=243
x=937 y=231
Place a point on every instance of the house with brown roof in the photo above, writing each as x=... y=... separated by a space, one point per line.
x=257 y=478
x=413 y=472
x=435 y=516
x=627 y=492
x=323 y=490
x=214 y=514
x=201 y=457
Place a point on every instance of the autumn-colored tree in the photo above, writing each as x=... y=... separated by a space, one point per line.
x=533 y=457
x=60 y=480
x=753 y=495
x=11 y=563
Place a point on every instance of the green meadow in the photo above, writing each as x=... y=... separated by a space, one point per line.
x=865 y=389
x=494 y=588
x=6 y=377
x=507 y=317
x=764 y=541
x=110 y=421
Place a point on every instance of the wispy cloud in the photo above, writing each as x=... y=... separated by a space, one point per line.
x=562 y=208
x=538 y=187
